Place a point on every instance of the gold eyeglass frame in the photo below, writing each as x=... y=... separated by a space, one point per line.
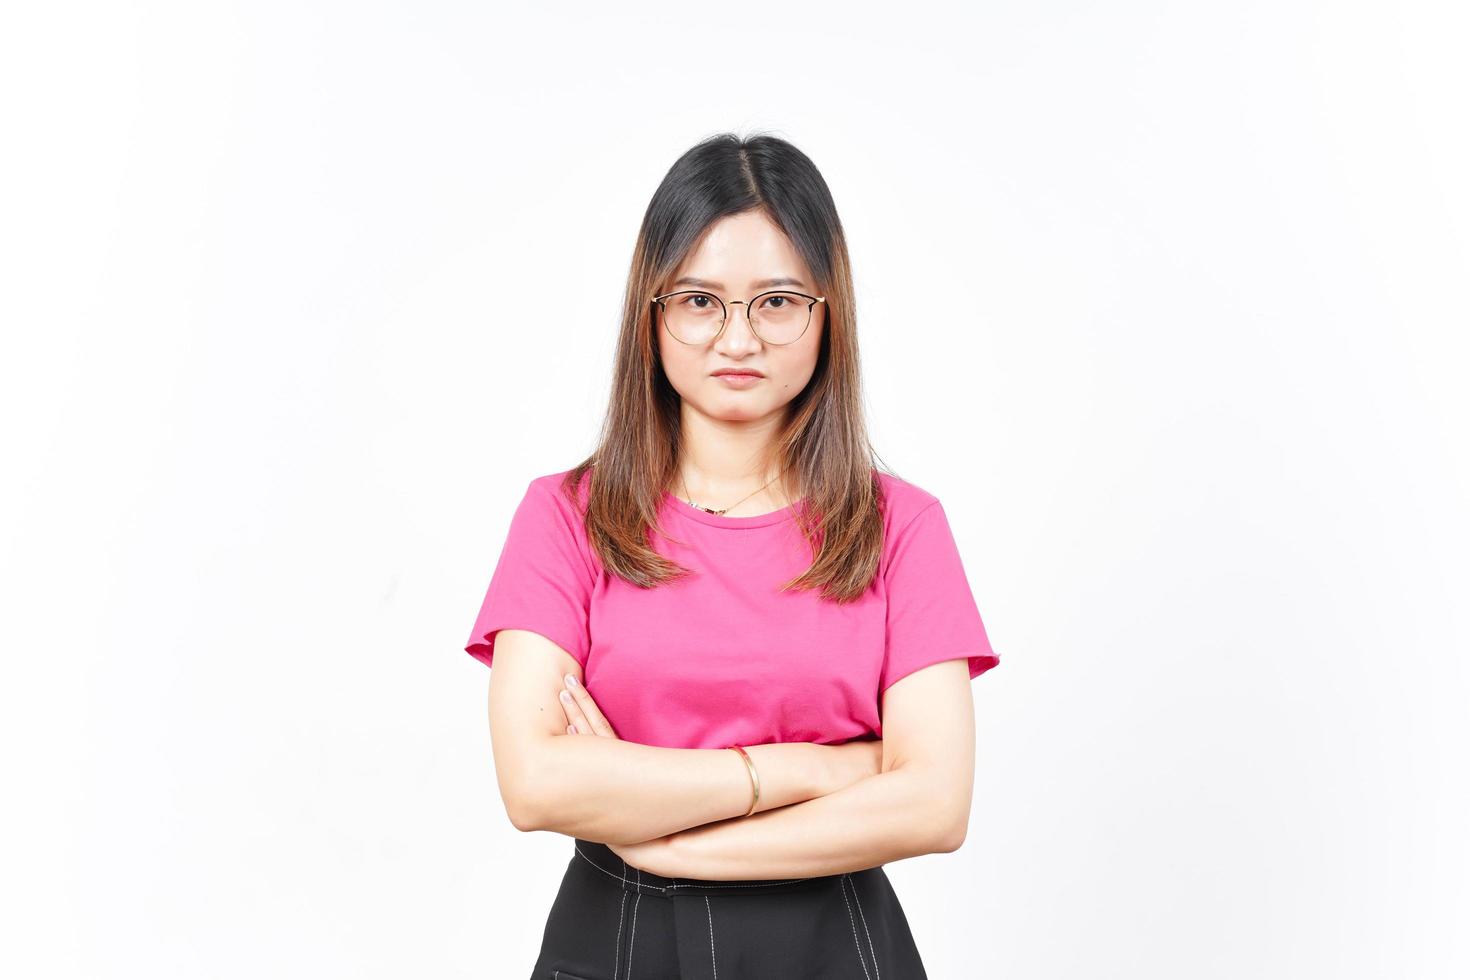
x=812 y=302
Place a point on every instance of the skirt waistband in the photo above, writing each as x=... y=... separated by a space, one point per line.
x=632 y=879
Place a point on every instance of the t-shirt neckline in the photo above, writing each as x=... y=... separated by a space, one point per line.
x=682 y=506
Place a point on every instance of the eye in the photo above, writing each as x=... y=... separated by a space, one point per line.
x=781 y=302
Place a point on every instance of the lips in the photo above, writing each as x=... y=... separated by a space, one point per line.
x=738 y=380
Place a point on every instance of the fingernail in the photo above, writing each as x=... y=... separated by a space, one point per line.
x=566 y=696
x=571 y=729
x=571 y=681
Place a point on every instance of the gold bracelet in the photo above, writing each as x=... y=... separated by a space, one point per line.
x=755 y=780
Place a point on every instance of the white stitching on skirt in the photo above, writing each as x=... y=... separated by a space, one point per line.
x=609 y=873
x=711 y=916
x=842 y=883
x=859 y=901
x=634 y=934
x=618 y=945
x=758 y=884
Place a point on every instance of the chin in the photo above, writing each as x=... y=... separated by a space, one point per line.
x=735 y=409
x=739 y=414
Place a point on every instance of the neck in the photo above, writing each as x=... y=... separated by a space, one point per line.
x=724 y=460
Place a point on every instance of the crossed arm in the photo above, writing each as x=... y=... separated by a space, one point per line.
x=824 y=809
x=903 y=812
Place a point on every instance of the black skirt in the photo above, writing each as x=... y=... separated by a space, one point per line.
x=611 y=921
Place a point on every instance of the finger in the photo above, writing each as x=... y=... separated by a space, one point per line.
x=569 y=712
x=589 y=708
x=574 y=713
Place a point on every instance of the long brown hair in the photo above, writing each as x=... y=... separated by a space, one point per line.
x=823 y=444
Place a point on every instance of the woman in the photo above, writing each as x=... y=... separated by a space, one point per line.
x=732 y=655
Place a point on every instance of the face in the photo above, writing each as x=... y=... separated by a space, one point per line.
x=733 y=261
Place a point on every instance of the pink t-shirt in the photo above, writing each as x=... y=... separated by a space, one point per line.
x=723 y=656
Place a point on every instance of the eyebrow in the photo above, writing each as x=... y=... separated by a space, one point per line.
x=762 y=284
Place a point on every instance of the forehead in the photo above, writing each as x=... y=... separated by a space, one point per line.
x=743 y=251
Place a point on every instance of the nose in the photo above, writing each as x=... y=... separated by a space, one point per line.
x=739 y=339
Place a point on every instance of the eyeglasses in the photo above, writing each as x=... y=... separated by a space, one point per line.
x=779 y=318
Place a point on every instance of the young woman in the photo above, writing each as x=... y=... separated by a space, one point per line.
x=732 y=656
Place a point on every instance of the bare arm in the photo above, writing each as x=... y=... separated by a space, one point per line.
x=919 y=803
x=616 y=792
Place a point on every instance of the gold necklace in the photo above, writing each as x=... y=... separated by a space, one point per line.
x=711 y=510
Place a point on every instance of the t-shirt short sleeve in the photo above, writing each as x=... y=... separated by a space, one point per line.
x=544 y=579
x=932 y=614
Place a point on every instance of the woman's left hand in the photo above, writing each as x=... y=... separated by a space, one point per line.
x=654 y=856
x=583 y=715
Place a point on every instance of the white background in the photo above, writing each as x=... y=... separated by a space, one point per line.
x=1167 y=303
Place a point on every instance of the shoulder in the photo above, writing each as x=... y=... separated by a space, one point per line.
x=551 y=503
x=902 y=501
x=552 y=517
x=555 y=491
x=916 y=533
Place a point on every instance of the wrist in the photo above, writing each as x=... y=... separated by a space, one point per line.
x=752 y=778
